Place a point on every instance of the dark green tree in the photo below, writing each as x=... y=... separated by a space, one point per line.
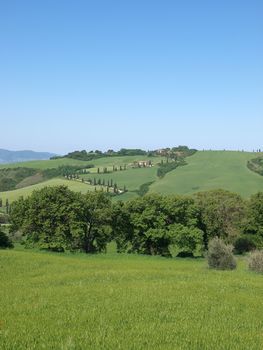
x=221 y=214
x=45 y=217
x=91 y=222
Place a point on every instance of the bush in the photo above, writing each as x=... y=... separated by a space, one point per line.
x=244 y=244
x=5 y=242
x=220 y=255
x=256 y=261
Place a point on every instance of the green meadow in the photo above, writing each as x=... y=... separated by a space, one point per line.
x=212 y=170
x=111 y=301
x=44 y=164
x=26 y=191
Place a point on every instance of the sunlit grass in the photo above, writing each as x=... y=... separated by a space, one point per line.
x=27 y=191
x=212 y=170
x=50 y=301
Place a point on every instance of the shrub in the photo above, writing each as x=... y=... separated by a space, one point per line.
x=5 y=242
x=220 y=255
x=244 y=244
x=256 y=261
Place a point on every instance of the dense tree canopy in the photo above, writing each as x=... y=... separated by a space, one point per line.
x=222 y=213
x=58 y=219
x=153 y=223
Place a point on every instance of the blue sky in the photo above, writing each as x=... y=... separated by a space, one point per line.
x=111 y=74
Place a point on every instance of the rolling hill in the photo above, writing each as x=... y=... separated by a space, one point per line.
x=212 y=170
x=205 y=170
x=26 y=191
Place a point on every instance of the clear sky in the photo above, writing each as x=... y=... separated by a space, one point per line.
x=131 y=73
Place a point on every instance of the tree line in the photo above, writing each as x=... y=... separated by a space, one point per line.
x=182 y=151
x=58 y=219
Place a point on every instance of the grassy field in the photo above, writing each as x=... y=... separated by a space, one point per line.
x=45 y=164
x=26 y=191
x=205 y=171
x=55 y=163
x=212 y=170
x=110 y=301
x=132 y=178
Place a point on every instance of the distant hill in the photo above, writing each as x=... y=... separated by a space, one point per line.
x=22 y=156
x=204 y=170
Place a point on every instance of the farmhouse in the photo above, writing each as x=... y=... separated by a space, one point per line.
x=142 y=164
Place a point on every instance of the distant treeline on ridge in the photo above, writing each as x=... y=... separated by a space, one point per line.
x=180 y=151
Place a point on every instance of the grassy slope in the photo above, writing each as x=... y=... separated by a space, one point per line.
x=212 y=170
x=131 y=178
x=50 y=301
x=205 y=170
x=101 y=162
x=26 y=191
x=44 y=164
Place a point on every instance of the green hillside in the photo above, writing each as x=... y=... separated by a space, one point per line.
x=55 y=163
x=205 y=170
x=44 y=164
x=212 y=170
x=131 y=178
x=26 y=191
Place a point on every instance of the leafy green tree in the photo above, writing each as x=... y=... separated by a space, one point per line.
x=56 y=218
x=221 y=214
x=91 y=222
x=145 y=215
x=45 y=217
x=122 y=228
x=156 y=242
x=187 y=239
x=148 y=224
x=254 y=223
x=181 y=210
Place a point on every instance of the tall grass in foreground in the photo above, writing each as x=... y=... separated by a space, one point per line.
x=111 y=301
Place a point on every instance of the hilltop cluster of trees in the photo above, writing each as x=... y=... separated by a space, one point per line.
x=176 y=152
x=58 y=219
x=91 y=155
x=173 y=153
